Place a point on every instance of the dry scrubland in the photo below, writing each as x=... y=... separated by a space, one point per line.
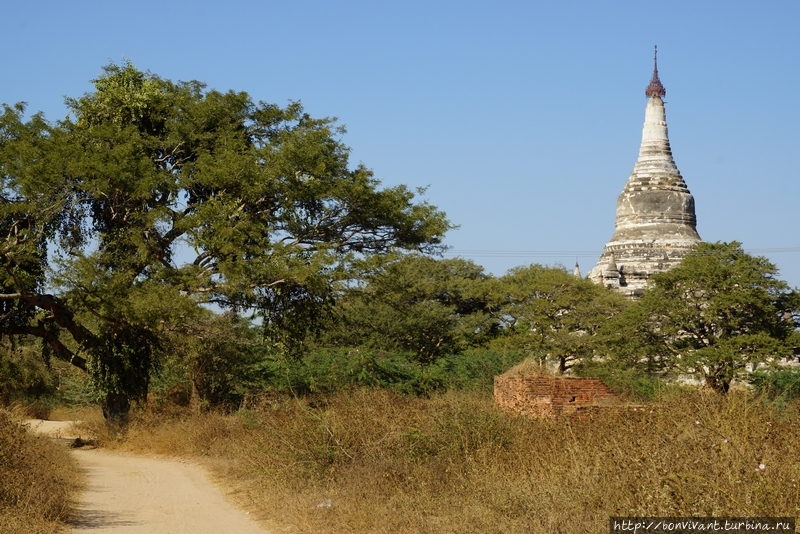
x=372 y=461
x=38 y=479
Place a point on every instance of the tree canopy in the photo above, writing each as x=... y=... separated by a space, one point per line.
x=153 y=197
x=549 y=314
x=415 y=304
x=153 y=200
x=719 y=310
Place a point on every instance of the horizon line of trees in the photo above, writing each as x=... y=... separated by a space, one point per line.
x=303 y=254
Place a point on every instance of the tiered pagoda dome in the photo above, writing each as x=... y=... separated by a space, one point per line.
x=656 y=222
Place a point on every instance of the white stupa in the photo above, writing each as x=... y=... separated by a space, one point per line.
x=656 y=222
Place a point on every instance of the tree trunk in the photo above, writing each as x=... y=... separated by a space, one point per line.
x=116 y=407
x=562 y=365
x=720 y=385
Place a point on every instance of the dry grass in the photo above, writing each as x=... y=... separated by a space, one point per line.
x=91 y=414
x=33 y=410
x=454 y=463
x=532 y=367
x=37 y=480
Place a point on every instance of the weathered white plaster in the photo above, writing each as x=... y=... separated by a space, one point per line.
x=656 y=223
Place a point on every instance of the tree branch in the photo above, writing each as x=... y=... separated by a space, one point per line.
x=51 y=338
x=62 y=315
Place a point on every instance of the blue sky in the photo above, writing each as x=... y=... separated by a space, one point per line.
x=523 y=118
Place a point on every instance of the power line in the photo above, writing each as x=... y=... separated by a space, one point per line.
x=579 y=253
x=521 y=253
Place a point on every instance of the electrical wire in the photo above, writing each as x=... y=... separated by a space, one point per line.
x=579 y=253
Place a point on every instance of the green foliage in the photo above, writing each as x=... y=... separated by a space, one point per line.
x=23 y=374
x=628 y=382
x=220 y=354
x=331 y=370
x=145 y=170
x=630 y=341
x=27 y=377
x=475 y=369
x=777 y=384
x=550 y=314
x=718 y=311
x=154 y=199
x=216 y=359
x=415 y=304
x=123 y=357
x=74 y=387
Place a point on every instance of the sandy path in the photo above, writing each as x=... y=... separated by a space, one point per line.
x=128 y=494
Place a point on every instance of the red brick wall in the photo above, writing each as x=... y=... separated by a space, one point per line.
x=545 y=396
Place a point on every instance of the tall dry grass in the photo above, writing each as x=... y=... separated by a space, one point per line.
x=38 y=479
x=372 y=461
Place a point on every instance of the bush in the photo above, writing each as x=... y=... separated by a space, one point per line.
x=171 y=385
x=214 y=358
x=629 y=383
x=36 y=385
x=74 y=387
x=777 y=384
x=24 y=375
x=475 y=369
x=331 y=370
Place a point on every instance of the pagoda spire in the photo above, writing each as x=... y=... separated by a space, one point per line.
x=655 y=88
x=656 y=223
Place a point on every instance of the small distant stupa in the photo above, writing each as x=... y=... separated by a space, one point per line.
x=656 y=222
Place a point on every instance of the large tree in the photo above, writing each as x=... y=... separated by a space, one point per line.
x=718 y=311
x=153 y=197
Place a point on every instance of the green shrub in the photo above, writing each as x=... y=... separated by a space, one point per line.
x=24 y=375
x=630 y=383
x=475 y=369
x=331 y=370
x=777 y=384
x=214 y=358
x=74 y=387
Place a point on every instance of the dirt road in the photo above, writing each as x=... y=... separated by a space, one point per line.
x=128 y=494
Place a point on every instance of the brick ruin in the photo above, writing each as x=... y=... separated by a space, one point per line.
x=547 y=396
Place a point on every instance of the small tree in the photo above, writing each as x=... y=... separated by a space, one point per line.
x=720 y=310
x=218 y=354
x=415 y=304
x=551 y=314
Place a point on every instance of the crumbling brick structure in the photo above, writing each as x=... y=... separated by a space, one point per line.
x=547 y=396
